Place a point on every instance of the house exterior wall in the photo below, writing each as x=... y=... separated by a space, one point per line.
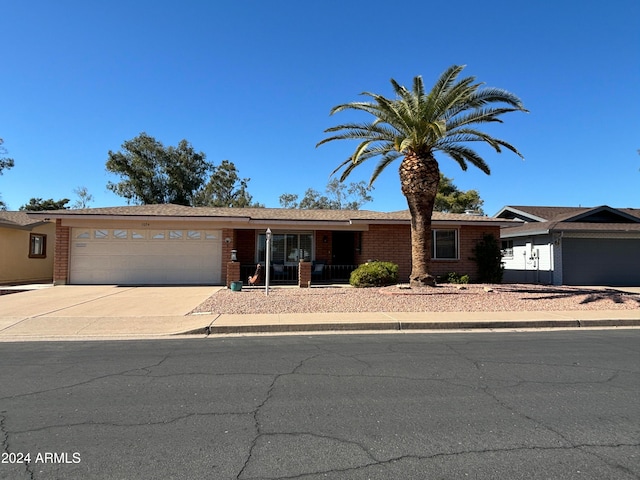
x=15 y=264
x=392 y=243
x=532 y=261
x=385 y=242
x=323 y=240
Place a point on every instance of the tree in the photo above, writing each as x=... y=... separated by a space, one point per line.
x=38 y=204
x=5 y=164
x=338 y=196
x=152 y=173
x=84 y=198
x=415 y=126
x=450 y=199
x=225 y=188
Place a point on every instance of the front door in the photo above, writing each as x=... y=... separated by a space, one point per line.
x=343 y=248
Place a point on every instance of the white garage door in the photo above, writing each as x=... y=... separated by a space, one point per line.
x=143 y=256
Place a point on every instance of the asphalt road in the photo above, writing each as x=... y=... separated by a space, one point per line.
x=535 y=405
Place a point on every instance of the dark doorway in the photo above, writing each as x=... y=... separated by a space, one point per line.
x=343 y=248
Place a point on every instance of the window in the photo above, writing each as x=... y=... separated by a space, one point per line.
x=287 y=248
x=120 y=234
x=507 y=248
x=137 y=235
x=98 y=234
x=445 y=245
x=193 y=235
x=175 y=234
x=37 y=246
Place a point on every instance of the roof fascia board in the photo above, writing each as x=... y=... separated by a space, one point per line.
x=28 y=228
x=603 y=208
x=534 y=218
x=505 y=233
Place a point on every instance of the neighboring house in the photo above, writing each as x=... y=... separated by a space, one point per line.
x=26 y=249
x=172 y=244
x=572 y=245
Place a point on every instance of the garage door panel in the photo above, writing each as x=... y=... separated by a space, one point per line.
x=190 y=259
x=590 y=261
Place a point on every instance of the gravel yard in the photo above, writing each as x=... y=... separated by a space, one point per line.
x=443 y=298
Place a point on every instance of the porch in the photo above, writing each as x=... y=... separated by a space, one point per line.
x=281 y=274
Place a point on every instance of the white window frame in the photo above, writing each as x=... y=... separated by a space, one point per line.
x=260 y=254
x=506 y=248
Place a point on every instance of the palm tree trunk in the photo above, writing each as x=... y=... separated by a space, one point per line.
x=419 y=178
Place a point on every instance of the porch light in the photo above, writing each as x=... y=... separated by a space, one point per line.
x=234 y=255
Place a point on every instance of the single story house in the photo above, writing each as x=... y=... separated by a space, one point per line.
x=26 y=249
x=173 y=244
x=572 y=245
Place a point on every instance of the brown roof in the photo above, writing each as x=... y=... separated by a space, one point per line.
x=17 y=220
x=256 y=214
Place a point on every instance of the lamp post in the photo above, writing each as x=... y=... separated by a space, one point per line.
x=267 y=262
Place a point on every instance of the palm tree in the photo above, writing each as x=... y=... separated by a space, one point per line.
x=415 y=125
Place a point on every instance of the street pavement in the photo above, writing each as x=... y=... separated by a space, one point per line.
x=533 y=405
x=100 y=312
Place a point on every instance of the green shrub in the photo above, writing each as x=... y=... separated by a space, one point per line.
x=489 y=259
x=374 y=274
x=453 y=277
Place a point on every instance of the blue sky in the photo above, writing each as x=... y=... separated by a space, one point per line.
x=253 y=82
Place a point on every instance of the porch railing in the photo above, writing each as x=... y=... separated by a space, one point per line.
x=288 y=274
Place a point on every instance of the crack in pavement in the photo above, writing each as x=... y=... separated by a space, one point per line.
x=86 y=382
x=256 y=411
x=452 y=454
x=143 y=424
x=571 y=445
x=4 y=435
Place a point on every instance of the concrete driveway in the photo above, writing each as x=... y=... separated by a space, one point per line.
x=99 y=310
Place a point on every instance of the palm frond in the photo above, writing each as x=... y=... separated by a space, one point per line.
x=415 y=122
x=384 y=162
x=457 y=150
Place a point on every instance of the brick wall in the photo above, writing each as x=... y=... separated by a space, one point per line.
x=245 y=243
x=323 y=249
x=388 y=243
x=392 y=243
x=61 y=254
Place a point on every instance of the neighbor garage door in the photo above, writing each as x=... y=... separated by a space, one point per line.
x=600 y=261
x=144 y=256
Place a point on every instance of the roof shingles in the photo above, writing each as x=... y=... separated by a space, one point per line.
x=255 y=214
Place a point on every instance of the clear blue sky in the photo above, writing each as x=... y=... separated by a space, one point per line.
x=253 y=82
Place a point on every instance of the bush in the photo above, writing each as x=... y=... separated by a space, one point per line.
x=374 y=274
x=453 y=277
x=488 y=256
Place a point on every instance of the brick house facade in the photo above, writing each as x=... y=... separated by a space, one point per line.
x=150 y=244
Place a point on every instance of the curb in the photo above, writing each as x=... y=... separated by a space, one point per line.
x=402 y=326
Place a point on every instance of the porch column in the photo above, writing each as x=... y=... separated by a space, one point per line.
x=304 y=274
x=233 y=273
x=61 y=254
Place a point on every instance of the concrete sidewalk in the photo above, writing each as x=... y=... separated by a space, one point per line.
x=107 y=312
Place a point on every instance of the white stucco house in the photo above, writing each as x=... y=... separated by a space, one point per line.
x=571 y=245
